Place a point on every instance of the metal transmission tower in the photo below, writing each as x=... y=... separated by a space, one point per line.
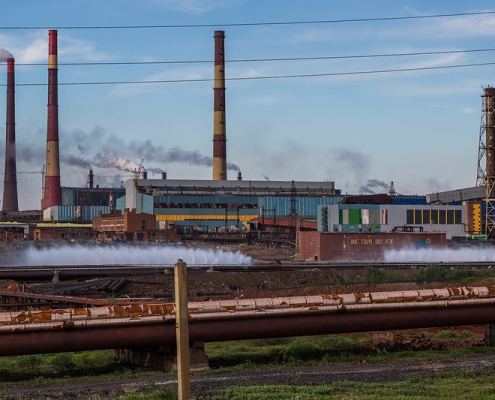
x=486 y=150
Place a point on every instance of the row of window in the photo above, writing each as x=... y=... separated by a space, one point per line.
x=435 y=217
x=202 y=205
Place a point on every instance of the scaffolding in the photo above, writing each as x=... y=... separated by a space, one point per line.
x=486 y=152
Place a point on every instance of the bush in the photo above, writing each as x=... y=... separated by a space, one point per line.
x=63 y=362
x=334 y=341
x=466 y=334
x=4 y=374
x=458 y=273
x=446 y=335
x=374 y=275
x=300 y=348
x=29 y=363
x=432 y=273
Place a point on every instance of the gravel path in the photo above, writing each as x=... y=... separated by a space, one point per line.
x=206 y=383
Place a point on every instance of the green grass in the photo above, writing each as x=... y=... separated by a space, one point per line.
x=263 y=353
x=469 y=386
x=320 y=350
x=34 y=366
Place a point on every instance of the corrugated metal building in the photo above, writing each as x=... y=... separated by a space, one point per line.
x=72 y=196
x=392 y=218
x=81 y=214
x=210 y=206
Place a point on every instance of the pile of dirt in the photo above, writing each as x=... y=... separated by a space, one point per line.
x=396 y=342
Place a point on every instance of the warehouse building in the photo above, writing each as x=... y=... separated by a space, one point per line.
x=375 y=218
x=219 y=206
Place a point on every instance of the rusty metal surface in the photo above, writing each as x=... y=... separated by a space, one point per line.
x=133 y=334
x=45 y=331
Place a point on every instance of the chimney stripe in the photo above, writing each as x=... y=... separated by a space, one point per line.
x=52 y=195
x=10 y=198
x=219 y=121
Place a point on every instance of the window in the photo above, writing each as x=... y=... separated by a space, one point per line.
x=442 y=217
x=426 y=216
x=458 y=217
x=410 y=217
x=418 y=217
x=434 y=217
x=450 y=217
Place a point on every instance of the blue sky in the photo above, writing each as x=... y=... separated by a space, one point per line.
x=419 y=129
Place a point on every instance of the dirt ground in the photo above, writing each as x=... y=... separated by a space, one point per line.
x=204 y=286
x=204 y=384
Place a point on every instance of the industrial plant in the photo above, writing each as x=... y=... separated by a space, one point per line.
x=306 y=216
x=161 y=319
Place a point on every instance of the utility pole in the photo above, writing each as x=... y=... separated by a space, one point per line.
x=182 y=329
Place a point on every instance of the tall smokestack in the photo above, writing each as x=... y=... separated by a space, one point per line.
x=219 y=124
x=91 y=179
x=10 y=201
x=52 y=195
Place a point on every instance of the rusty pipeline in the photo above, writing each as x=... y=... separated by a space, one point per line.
x=121 y=326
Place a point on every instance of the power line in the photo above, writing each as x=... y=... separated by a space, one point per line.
x=246 y=24
x=315 y=75
x=421 y=53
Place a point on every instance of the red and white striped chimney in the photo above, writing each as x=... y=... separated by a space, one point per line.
x=219 y=123
x=10 y=199
x=52 y=195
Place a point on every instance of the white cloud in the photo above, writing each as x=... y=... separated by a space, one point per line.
x=36 y=51
x=185 y=74
x=198 y=6
x=34 y=48
x=435 y=61
x=465 y=26
x=80 y=49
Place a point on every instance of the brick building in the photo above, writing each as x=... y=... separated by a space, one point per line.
x=130 y=226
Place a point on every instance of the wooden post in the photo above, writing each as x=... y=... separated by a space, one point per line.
x=182 y=329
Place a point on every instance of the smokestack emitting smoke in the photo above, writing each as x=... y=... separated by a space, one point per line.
x=219 y=123
x=10 y=199
x=52 y=195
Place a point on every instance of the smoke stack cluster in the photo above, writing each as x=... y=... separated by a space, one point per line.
x=219 y=123
x=10 y=199
x=52 y=195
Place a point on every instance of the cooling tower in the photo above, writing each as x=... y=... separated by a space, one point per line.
x=52 y=195
x=10 y=200
x=219 y=124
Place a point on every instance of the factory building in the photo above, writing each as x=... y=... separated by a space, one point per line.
x=82 y=205
x=318 y=246
x=63 y=232
x=130 y=226
x=218 y=206
x=375 y=218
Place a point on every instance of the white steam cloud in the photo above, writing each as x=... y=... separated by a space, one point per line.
x=128 y=255
x=4 y=55
x=441 y=255
x=110 y=160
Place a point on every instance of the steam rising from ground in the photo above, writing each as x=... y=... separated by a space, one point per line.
x=439 y=255
x=126 y=255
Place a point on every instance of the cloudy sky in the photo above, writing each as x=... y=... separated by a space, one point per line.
x=362 y=93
